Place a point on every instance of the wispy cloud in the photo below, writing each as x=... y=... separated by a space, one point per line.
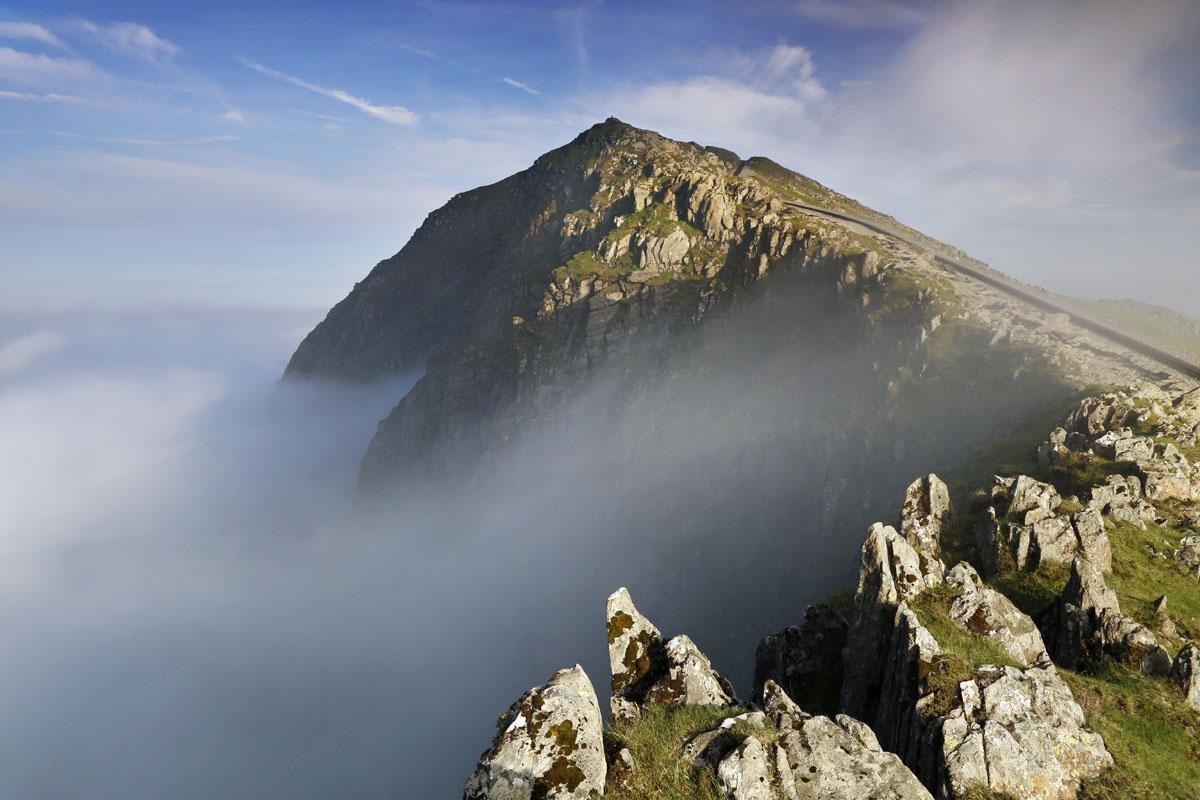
x=132 y=39
x=150 y=142
x=20 y=354
x=234 y=115
x=396 y=115
x=44 y=98
x=23 y=67
x=28 y=30
x=524 y=87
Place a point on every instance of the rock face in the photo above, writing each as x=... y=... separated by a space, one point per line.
x=805 y=661
x=817 y=758
x=890 y=571
x=549 y=745
x=645 y=670
x=1086 y=625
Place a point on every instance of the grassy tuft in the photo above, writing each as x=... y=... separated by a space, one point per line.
x=656 y=742
x=1145 y=726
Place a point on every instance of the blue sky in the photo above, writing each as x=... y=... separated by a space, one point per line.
x=165 y=155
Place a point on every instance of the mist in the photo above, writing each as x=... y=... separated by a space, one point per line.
x=198 y=603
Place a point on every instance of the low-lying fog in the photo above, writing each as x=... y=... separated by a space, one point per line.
x=191 y=607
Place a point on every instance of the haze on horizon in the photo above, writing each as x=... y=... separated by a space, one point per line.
x=159 y=156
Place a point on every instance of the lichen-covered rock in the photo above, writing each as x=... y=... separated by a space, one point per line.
x=1086 y=626
x=690 y=679
x=645 y=670
x=925 y=516
x=1003 y=728
x=820 y=759
x=982 y=611
x=805 y=660
x=635 y=654
x=1019 y=732
x=549 y=745
x=1185 y=674
x=744 y=773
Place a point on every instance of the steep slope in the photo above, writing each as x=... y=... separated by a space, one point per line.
x=623 y=253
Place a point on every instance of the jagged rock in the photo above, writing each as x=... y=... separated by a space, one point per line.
x=804 y=660
x=982 y=611
x=1187 y=406
x=744 y=773
x=635 y=654
x=1116 y=491
x=926 y=514
x=690 y=679
x=549 y=745
x=1031 y=498
x=1006 y=729
x=1047 y=538
x=1086 y=625
x=1185 y=674
x=1188 y=554
x=1133 y=448
x=1092 y=538
x=1172 y=487
x=644 y=670
x=819 y=759
x=889 y=572
x=1019 y=732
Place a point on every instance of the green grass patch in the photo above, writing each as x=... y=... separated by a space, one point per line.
x=656 y=741
x=1077 y=473
x=1140 y=577
x=1145 y=724
x=1033 y=592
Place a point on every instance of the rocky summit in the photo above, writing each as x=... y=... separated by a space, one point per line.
x=620 y=254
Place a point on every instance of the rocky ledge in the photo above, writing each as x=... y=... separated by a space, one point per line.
x=932 y=682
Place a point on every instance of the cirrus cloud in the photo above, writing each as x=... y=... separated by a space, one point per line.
x=396 y=115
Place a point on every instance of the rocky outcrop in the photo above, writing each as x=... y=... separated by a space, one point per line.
x=1185 y=674
x=1018 y=732
x=982 y=611
x=1086 y=626
x=1033 y=532
x=1006 y=729
x=926 y=515
x=890 y=571
x=647 y=670
x=805 y=661
x=817 y=758
x=549 y=745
